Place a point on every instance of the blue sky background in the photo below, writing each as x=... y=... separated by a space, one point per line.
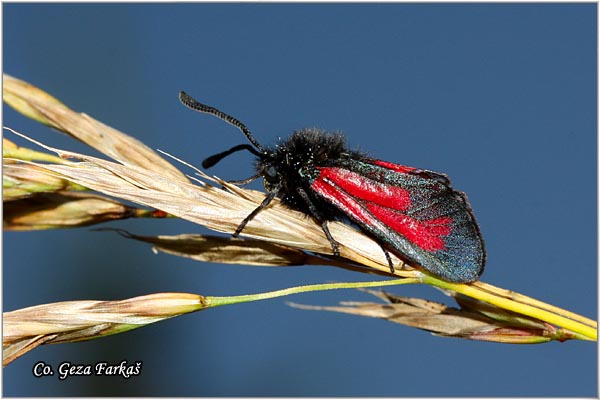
x=502 y=97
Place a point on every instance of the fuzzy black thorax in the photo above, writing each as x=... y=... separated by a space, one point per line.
x=294 y=162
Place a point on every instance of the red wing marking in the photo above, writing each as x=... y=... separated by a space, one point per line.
x=392 y=166
x=347 y=203
x=428 y=235
x=365 y=189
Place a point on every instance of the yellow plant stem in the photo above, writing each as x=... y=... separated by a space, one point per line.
x=521 y=298
x=472 y=291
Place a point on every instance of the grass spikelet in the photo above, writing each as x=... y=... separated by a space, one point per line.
x=72 y=321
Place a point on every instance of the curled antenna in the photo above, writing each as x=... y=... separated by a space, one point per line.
x=195 y=105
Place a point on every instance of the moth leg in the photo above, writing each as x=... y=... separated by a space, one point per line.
x=245 y=181
x=332 y=241
x=316 y=215
x=253 y=214
x=387 y=256
x=242 y=181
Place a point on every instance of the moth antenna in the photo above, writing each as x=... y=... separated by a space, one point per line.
x=195 y=105
x=215 y=158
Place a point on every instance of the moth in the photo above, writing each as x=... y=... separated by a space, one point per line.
x=414 y=213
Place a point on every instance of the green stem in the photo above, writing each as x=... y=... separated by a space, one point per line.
x=521 y=298
x=223 y=301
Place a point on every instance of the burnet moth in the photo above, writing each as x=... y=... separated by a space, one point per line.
x=414 y=213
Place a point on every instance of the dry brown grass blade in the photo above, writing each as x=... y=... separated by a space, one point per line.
x=437 y=320
x=39 y=105
x=62 y=210
x=228 y=250
x=442 y=320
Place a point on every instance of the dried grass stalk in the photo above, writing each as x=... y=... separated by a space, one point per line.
x=42 y=107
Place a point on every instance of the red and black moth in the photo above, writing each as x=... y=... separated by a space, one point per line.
x=414 y=213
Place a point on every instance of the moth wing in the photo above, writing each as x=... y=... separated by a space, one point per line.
x=415 y=212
